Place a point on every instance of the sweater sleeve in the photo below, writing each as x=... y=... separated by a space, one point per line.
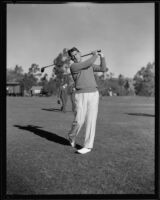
x=76 y=67
x=102 y=67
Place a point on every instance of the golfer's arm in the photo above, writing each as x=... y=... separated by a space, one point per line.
x=82 y=65
x=102 y=67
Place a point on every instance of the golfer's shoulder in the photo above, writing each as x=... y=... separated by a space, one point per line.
x=73 y=67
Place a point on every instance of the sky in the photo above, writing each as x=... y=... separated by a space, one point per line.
x=37 y=33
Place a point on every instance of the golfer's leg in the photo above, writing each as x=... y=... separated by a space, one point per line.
x=65 y=100
x=73 y=101
x=61 y=99
x=91 y=118
x=79 y=118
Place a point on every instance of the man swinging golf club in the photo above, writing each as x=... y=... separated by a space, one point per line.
x=86 y=96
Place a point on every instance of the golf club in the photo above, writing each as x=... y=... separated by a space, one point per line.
x=90 y=53
x=43 y=68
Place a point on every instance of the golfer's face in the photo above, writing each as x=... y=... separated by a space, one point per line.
x=76 y=56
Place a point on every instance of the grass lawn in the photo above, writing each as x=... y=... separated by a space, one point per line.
x=40 y=160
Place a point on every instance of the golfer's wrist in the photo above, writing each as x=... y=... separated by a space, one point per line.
x=101 y=55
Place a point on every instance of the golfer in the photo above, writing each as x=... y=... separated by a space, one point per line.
x=86 y=96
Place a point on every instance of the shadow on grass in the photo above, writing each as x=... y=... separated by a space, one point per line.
x=52 y=109
x=45 y=134
x=141 y=114
x=55 y=110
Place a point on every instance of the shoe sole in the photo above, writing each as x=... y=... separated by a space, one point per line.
x=83 y=153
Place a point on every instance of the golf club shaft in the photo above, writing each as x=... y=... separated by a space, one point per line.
x=43 y=68
x=90 y=53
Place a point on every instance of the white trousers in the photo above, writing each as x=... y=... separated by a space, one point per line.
x=86 y=112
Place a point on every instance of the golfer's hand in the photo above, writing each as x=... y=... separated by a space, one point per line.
x=101 y=54
x=94 y=53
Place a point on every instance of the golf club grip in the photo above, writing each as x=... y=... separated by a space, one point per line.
x=90 y=53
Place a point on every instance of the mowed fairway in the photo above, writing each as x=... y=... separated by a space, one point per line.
x=40 y=160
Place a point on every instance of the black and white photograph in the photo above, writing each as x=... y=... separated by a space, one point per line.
x=80 y=99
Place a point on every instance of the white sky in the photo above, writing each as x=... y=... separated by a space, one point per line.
x=37 y=33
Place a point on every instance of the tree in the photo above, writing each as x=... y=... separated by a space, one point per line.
x=126 y=84
x=129 y=88
x=121 y=81
x=15 y=74
x=111 y=75
x=29 y=78
x=52 y=86
x=61 y=69
x=62 y=63
x=28 y=81
x=144 y=80
x=44 y=83
x=34 y=68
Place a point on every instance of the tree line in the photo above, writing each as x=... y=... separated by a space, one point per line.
x=142 y=83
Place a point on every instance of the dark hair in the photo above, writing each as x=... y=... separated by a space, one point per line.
x=71 y=50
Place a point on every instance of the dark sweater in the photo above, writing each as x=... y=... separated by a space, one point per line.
x=83 y=74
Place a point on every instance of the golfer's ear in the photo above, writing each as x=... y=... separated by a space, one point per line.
x=71 y=58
